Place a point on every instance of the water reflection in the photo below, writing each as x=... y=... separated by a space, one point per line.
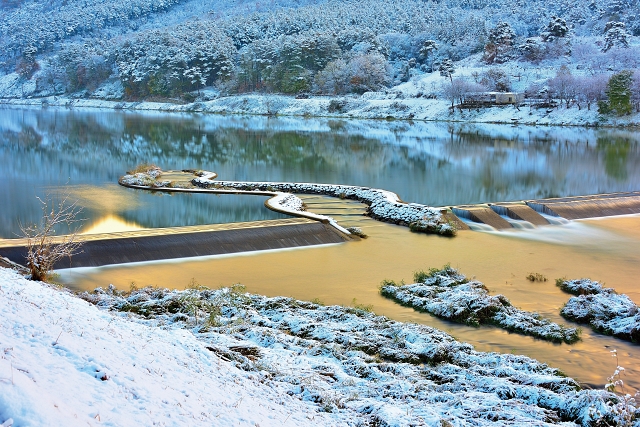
x=110 y=224
x=616 y=151
x=433 y=163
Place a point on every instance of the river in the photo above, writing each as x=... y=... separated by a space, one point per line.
x=82 y=153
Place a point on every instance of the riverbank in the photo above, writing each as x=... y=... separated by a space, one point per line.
x=275 y=361
x=401 y=103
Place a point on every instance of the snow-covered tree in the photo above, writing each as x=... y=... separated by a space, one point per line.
x=495 y=79
x=427 y=52
x=459 y=89
x=555 y=29
x=27 y=65
x=615 y=35
x=500 y=43
x=359 y=74
x=590 y=89
x=563 y=86
x=447 y=69
x=532 y=49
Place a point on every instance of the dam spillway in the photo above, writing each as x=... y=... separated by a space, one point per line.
x=497 y=215
x=183 y=242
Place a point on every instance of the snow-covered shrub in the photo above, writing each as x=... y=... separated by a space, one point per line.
x=603 y=309
x=448 y=294
x=43 y=249
x=626 y=409
x=144 y=175
x=357 y=231
x=581 y=286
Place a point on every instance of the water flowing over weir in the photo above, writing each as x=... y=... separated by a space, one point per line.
x=435 y=164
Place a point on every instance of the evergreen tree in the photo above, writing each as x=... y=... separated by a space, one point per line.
x=618 y=94
x=447 y=69
x=555 y=29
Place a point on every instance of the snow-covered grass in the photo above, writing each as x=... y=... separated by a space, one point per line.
x=362 y=368
x=602 y=308
x=224 y=357
x=448 y=294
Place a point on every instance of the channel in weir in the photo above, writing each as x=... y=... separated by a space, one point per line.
x=482 y=214
x=184 y=242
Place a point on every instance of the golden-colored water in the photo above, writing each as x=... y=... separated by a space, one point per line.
x=111 y=224
x=107 y=198
x=607 y=250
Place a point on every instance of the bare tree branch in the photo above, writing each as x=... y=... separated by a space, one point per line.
x=44 y=249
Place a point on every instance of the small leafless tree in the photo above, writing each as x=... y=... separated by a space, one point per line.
x=44 y=249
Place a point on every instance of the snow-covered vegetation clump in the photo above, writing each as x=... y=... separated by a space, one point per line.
x=448 y=294
x=363 y=368
x=144 y=175
x=602 y=308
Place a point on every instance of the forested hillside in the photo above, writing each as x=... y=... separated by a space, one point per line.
x=144 y=49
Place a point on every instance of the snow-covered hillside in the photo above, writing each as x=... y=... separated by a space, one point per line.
x=187 y=50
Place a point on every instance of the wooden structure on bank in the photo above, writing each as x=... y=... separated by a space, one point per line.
x=489 y=99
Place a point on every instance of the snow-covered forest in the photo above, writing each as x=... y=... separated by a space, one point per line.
x=191 y=50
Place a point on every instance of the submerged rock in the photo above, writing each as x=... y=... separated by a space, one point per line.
x=448 y=294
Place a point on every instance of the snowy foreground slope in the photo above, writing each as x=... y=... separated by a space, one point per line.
x=63 y=362
x=257 y=361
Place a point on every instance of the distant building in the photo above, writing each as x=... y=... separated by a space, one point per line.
x=494 y=98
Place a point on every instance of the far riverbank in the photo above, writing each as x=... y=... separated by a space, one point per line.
x=390 y=105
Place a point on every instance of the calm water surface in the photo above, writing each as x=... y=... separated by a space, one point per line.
x=41 y=150
x=83 y=153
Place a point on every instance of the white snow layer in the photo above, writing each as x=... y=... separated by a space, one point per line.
x=63 y=362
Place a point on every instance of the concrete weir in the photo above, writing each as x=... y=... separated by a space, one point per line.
x=166 y=243
x=598 y=205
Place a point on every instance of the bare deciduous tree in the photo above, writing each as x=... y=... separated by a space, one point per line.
x=43 y=248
